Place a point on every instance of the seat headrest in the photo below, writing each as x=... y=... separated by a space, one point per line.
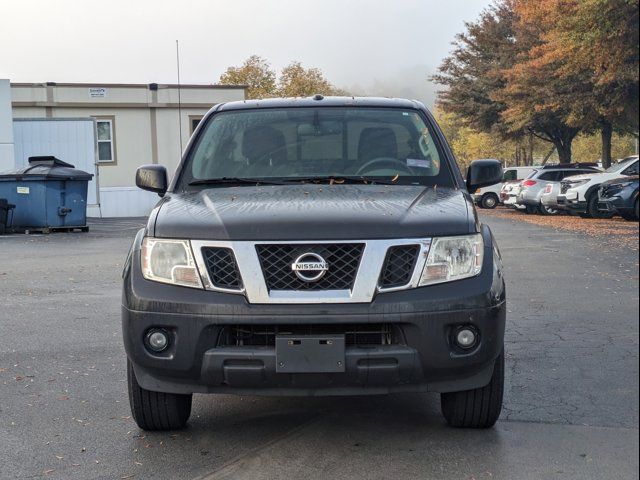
x=377 y=142
x=262 y=141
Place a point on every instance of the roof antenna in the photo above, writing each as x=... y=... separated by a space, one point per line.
x=179 y=98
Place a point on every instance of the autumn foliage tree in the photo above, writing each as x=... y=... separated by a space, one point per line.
x=472 y=73
x=256 y=73
x=295 y=80
x=591 y=45
x=552 y=68
x=535 y=97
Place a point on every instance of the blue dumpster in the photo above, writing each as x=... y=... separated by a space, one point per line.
x=48 y=194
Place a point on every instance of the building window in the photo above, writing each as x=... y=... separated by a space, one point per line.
x=194 y=121
x=106 y=144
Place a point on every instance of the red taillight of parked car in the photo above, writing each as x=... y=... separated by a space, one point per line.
x=528 y=183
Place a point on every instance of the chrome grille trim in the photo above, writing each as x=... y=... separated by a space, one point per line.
x=364 y=288
x=276 y=260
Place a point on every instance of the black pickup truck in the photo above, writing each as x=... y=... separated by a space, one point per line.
x=317 y=246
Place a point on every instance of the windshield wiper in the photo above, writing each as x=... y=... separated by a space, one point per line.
x=236 y=181
x=330 y=179
x=338 y=179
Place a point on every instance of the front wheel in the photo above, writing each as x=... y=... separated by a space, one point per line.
x=489 y=200
x=157 y=410
x=632 y=216
x=593 y=209
x=478 y=408
x=544 y=210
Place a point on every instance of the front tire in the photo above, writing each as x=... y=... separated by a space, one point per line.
x=489 y=201
x=593 y=209
x=478 y=408
x=632 y=216
x=157 y=410
x=544 y=210
x=530 y=209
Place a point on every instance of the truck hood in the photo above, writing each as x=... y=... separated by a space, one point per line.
x=314 y=212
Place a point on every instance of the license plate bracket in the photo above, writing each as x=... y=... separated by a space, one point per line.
x=310 y=353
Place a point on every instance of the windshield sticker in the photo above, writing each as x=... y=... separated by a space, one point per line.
x=415 y=162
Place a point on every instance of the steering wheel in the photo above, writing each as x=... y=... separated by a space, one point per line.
x=379 y=161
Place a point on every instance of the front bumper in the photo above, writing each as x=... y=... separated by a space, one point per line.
x=617 y=205
x=511 y=201
x=575 y=206
x=553 y=201
x=425 y=359
x=571 y=201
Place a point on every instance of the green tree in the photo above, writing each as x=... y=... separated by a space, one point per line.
x=472 y=73
x=256 y=73
x=469 y=144
x=586 y=148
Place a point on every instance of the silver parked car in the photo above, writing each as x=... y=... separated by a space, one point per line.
x=549 y=198
x=534 y=186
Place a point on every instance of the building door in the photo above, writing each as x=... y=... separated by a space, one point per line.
x=72 y=140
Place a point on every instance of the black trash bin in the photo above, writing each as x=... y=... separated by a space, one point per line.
x=5 y=215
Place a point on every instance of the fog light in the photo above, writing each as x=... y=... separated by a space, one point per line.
x=157 y=340
x=466 y=337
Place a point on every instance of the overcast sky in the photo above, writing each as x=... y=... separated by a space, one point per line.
x=374 y=47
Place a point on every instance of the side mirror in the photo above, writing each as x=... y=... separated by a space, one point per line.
x=482 y=173
x=152 y=178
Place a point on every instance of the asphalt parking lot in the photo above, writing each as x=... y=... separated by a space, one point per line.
x=571 y=404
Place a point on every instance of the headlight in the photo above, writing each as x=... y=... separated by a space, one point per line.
x=169 y=261
x=577 y=183
x=622 y=184
x=453 y=258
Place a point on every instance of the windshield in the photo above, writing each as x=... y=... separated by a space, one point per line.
x=313 y=144
x=620 y=165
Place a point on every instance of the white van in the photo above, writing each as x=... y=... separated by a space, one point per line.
x=489 y=197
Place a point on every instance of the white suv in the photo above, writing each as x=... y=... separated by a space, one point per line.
x=579 y=193
x=489 y=197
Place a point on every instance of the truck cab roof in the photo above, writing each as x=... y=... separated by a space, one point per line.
x=319 y=100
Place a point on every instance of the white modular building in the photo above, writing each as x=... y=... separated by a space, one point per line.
x=108 y=130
